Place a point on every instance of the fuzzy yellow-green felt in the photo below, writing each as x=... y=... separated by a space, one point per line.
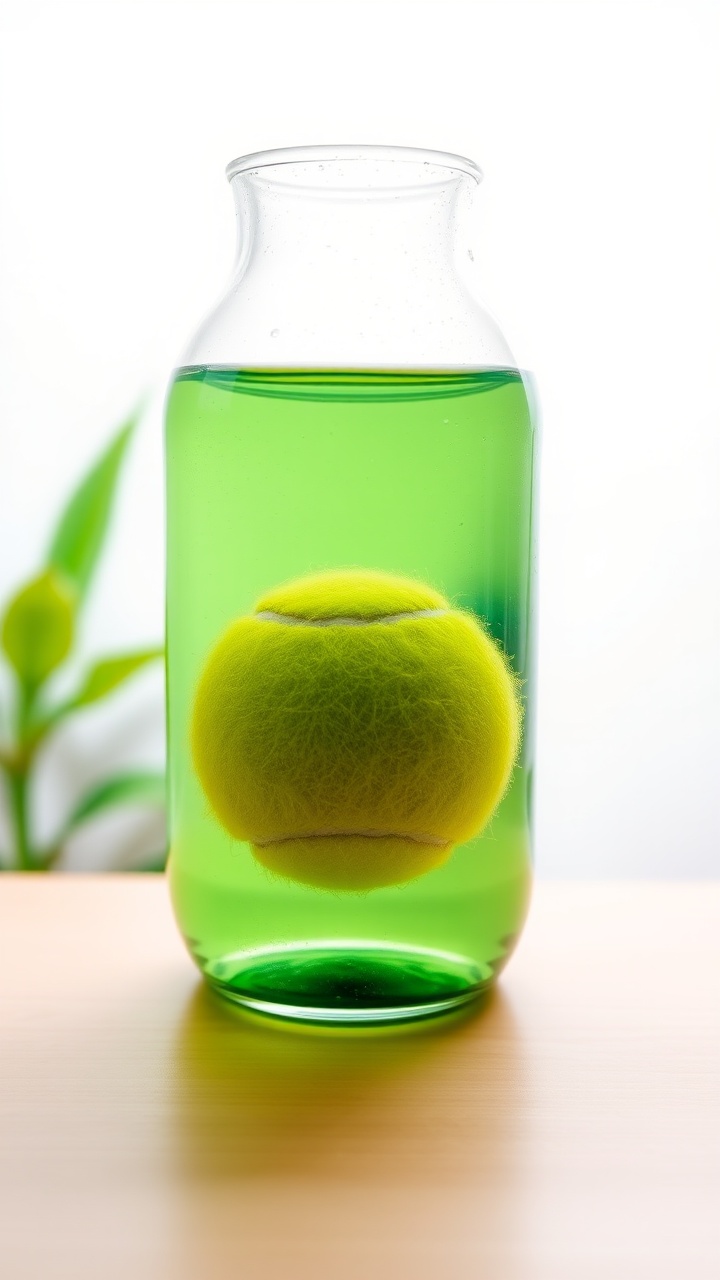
x=354 y=729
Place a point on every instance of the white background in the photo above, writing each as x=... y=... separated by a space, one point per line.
x=596 y=235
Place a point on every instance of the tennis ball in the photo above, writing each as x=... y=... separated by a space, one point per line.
x=353 y=729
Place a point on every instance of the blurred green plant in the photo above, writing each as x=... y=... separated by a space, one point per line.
x=38 y=632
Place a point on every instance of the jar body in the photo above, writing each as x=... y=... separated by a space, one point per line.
x=274 y=473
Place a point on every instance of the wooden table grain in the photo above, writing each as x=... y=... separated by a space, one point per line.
x=568 y=1129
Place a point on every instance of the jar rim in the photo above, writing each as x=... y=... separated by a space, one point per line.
x=327 y=155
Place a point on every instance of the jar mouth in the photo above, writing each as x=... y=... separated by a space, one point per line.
x=360 y=168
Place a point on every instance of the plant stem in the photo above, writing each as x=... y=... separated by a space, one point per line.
x=17 y=787
x=18 y=778
x=25 y=704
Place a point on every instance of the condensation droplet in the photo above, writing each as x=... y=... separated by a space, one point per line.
x=274 y=333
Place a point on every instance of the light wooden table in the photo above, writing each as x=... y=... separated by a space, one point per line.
x=568 y=1130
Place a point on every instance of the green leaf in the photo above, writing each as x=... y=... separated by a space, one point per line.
x=107 y=674
x=140 y=788
x=38 y=627
x=79 y=536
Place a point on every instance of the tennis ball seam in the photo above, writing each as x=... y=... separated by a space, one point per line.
x=294 y=620
x=422 y=838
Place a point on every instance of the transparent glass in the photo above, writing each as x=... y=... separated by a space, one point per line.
x=348 y=403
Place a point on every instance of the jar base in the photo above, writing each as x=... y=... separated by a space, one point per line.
x=348 y=983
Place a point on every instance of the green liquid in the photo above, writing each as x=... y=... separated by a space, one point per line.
x=276 y=474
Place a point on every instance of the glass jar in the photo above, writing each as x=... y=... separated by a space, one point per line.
x=347 y=406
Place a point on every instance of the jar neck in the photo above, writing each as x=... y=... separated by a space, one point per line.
x=351 y=257
x=359 y=239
